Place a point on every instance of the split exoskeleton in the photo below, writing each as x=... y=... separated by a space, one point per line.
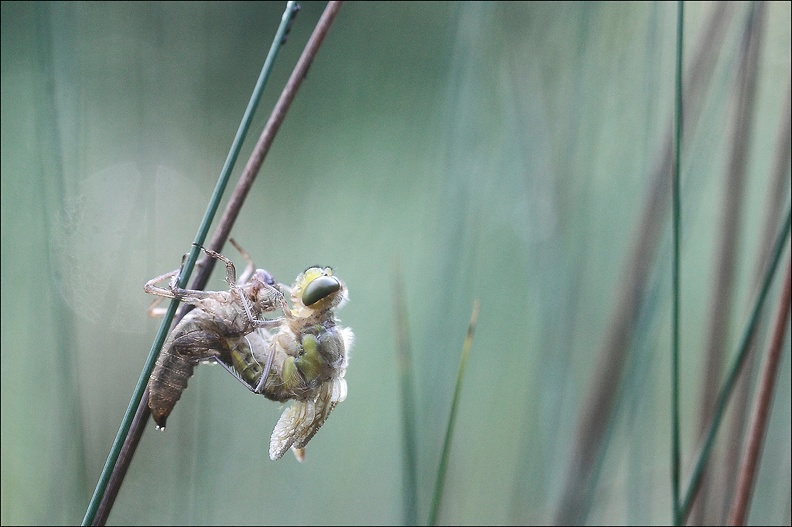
x=300 y=356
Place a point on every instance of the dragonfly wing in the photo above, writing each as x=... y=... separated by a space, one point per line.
x=300 y=421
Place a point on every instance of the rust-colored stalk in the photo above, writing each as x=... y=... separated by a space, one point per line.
x=265 y=141
x=758 y=428
x=597 y=412
x=775 y=197
x=218 y=239
x=725 y=262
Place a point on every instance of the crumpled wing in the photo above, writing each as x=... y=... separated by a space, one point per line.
x=300 y=421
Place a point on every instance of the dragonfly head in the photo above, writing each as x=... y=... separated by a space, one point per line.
x=316 y=289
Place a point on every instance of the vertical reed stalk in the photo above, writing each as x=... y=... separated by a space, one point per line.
x=266 y=139
x=731 y=213
x=50 y=145
x=739 y=359
x=675 y=221
x=405 y=372
x=598 y=410
x=776 y=191
x=233 y=207
x=443 y=466
x=102 y=495
x=758 y=428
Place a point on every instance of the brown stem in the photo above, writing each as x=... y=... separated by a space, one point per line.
x=597 y=413
x=124 y=459
x=775 y=196
x=218 y=239
x=265 y=141
x=725 y=263
x=761 y=412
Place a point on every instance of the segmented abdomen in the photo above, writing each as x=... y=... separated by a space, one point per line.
x=190 y=342
x=167 y=383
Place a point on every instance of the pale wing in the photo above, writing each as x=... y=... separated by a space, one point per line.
x=300 y=421
x=333 y=392
x=295 y=417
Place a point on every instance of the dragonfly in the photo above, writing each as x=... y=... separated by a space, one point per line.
x=300 y=356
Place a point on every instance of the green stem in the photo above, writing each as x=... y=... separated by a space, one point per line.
x=203 y=229
x=405 y=371
x=734 y=371
x=761 y=412
x=675 y=446
x=441 y=471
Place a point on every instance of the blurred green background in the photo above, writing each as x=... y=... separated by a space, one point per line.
x=494 y=151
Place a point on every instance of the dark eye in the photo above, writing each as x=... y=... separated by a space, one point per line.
x=319 y=289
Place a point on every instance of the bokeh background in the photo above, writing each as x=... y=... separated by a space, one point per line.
x=505 y=152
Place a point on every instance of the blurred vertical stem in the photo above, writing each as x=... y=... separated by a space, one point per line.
x=758 y=428
x=138 y=395
x=726 y=261
x=404 y=369
x=776 y=192
x=598 y=412
x=734 y=370
x=675 y=219
x=441 y=470
x=70 y=415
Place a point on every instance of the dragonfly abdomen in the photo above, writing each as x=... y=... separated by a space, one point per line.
x=188 y=345
x=167 y=383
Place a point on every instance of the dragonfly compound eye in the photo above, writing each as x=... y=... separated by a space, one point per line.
x=319 y=289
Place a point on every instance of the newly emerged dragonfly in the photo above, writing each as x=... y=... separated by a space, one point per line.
x=300 y=356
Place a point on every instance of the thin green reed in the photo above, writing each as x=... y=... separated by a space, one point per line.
x=214 y=202
x=734 y=370
x=405 y=372
x=675 y=197
x=441 y=470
